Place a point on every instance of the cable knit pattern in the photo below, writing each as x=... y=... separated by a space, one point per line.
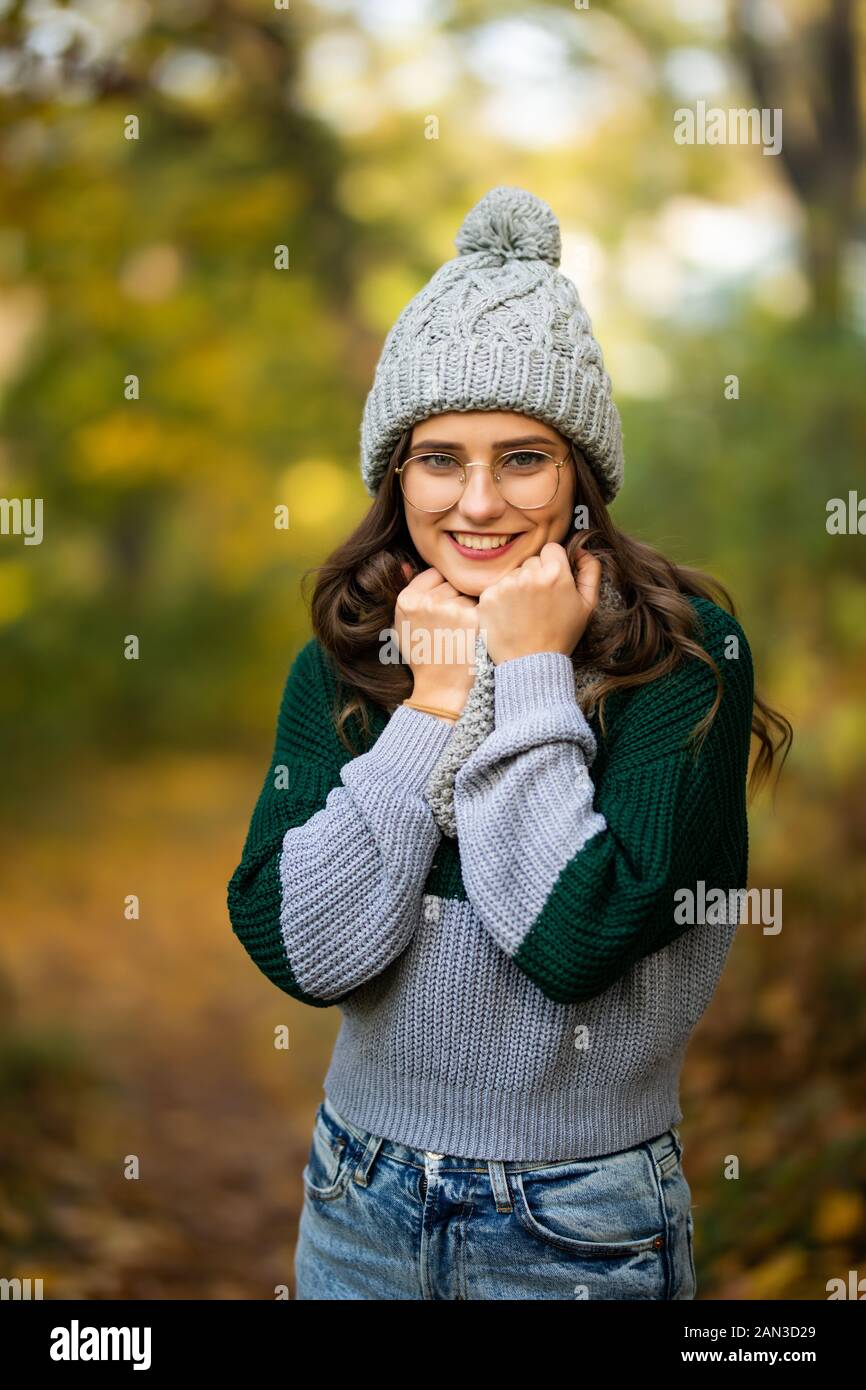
x=523 y=991
x=497 y=327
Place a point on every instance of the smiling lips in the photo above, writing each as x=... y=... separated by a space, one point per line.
x=481 y=545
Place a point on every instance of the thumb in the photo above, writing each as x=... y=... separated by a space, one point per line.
x=408 y=571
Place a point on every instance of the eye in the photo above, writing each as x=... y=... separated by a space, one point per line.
x=523 y=461
x=439 y=463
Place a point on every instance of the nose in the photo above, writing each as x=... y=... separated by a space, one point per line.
x=481 y=501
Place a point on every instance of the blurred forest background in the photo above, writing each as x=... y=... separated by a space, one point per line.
x=310 y=126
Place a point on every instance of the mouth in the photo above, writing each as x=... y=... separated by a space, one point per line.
x=481 y=545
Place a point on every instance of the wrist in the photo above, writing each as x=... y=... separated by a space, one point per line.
x=447 y=716
x=441 y=696
x=517 y=653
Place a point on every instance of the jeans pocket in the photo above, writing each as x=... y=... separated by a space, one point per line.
x=602 y=1208
x=329 y=1165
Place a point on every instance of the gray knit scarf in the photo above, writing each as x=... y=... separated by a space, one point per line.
x=477 y=719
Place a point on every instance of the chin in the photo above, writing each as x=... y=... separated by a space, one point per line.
x=472 y=584
x=471 y=587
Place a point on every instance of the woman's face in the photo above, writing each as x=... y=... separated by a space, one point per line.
x=445 y=539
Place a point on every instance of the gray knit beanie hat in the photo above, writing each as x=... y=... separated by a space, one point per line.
x=498 y=327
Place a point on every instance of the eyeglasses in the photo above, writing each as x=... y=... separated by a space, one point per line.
x=525 y=478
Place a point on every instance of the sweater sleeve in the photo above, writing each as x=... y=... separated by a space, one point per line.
x=328 y=889
x=577 y=883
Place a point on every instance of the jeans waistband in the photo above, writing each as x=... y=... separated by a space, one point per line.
x=661 y=1146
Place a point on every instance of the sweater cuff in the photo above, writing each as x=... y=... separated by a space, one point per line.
x=527 y=684
x=409 y=746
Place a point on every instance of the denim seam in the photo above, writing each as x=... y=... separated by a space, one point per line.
x=658 y=1174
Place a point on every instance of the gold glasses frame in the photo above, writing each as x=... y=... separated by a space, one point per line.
x=464 y=467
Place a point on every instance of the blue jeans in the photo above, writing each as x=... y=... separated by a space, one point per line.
x=384 y=1221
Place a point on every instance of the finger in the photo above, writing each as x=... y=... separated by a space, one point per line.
x=408 y=571
x=588 y=578
x=553 y=559
x=443 y=590
x=585 y=559
x=427 y=579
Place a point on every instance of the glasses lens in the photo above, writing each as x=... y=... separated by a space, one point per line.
x=432 y=482
x=527 y=478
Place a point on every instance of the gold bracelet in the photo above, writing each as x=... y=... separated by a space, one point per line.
x=431 y=709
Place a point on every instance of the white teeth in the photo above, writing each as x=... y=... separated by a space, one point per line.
x=480 y=542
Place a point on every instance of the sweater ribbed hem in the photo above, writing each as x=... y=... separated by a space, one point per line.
x=408 y=747
x=537 y=681
x=468 y=1122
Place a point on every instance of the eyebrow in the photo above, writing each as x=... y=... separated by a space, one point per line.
x=497 y=443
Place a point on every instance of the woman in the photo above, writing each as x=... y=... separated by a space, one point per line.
x=509 y=775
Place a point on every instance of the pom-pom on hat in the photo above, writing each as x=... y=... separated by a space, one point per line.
x=498 y=327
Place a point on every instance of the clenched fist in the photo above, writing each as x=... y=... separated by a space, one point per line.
x=541 y=606
x=437 y=627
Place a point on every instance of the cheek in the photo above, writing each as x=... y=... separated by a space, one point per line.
x=425 y=538
x=563 y=520
x=557 y=526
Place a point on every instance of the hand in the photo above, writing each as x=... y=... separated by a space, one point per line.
x=436 y=631
x=541 y=606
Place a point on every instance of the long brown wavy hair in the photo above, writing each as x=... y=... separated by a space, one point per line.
x=357 y=588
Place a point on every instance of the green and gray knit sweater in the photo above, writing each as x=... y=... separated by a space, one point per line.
x=527 y=990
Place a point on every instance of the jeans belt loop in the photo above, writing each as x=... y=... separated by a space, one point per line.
x=367 y=1159
x=499 y=1183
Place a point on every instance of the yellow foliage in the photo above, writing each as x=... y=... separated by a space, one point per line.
x=130 y=444
x=15 y=591
x=839 y=1215
x=776 y=1276
x=316 y=491
x=383 y=293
